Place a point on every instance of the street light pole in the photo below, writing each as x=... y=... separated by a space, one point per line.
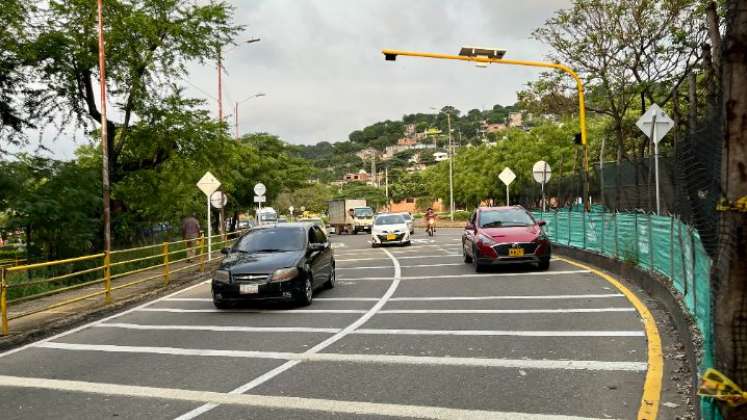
x=236 y=111
x=474 y=56
x=104 y=152
x=451 y=170
x=220 y=77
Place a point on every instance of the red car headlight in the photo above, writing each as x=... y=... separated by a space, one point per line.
x=486 y=241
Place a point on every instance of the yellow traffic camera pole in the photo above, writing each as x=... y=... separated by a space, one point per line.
x=557 y=66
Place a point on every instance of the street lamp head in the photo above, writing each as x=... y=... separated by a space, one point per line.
x=390 y=57
x=493 y=53
x=259 y=95
x=252 y=40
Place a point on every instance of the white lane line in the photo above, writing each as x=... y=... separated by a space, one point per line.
x=369 y=331
x=499 y=333
x=506 y=311
x=215 y=328
x=468 y=275
x=404 y=266
x=258 y=311
x=506 y=297
x=108 y=318
x=315 y=405
x=357 y=358
x=400 y=258
x=314 y=350
x=340 y=299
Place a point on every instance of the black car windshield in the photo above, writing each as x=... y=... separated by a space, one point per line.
x=390 y=219
x=272 y=240
x=505 y=218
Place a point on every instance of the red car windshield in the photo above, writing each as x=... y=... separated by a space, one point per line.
x=505 y=218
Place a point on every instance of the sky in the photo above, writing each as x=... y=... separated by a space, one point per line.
x=320 y=66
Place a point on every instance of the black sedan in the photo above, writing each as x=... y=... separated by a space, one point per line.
x=286 y=261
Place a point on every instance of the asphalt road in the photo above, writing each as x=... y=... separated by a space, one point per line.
x=407 y=332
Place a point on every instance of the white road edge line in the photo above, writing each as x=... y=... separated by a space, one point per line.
x=505 y=297
x=316 y=349
x=468 y=275
x=214 y=399
x=100 y=321
x=296 y=358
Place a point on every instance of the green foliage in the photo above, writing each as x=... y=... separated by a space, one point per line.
x=375 y=197
x=313 y=198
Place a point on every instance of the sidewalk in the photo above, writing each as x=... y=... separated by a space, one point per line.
x=51 y=321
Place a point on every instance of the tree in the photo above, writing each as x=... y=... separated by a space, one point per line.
x=731 y=263
x=149 y=43
x=13 y=37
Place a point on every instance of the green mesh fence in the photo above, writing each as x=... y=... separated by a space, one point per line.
x=659 y=244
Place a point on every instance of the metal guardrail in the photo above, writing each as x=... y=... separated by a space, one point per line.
x=156 y=256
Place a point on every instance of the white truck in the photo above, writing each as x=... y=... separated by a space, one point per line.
x=267 y=216
x=352 y=216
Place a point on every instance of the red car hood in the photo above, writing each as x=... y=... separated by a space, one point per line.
x=512 y=234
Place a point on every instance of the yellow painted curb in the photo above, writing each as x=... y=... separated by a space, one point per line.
x=652 y=386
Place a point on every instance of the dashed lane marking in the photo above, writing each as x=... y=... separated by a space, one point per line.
x=358 y=358
x=213 y=399
x=215 y=328
x=341 y=299
x=401 y=258
x=389 y=266
x=505 y=297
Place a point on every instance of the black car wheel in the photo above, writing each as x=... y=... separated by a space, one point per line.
x=305 y=295
x=544 y=264
x=330 y=284
x=221 y=304
x=467 y=258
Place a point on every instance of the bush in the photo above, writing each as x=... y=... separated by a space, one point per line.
x=461 y=215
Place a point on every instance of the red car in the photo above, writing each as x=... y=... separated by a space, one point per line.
x=505 y=235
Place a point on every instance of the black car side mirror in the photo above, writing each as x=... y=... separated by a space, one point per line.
x=225 y=251
x=315 y=246
x=541 y=223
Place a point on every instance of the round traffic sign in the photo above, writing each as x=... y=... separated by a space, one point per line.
x=218 y=199
x=260 y=189
x=541 y=172
x=290 y=209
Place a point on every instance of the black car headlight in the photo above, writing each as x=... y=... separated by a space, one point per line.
x=222 y=276
x=284 y=274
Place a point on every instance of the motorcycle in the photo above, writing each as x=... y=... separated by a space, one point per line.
x=431 y=228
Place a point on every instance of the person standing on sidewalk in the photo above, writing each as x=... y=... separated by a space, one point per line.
x=190 y=232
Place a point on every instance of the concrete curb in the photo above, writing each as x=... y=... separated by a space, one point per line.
x=658 y=288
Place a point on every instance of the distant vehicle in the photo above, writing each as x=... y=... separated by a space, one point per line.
x=408 y=219
x=287 y=261
x=316 y=221
x=505 y=235
x=390 y=229
x=282 y=219
x=267 y=216
x=352 y=216
x=247 y=224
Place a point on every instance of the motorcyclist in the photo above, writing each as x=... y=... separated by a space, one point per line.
x=430 y=219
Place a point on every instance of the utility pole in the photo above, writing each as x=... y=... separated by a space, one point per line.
x=386 y=185
x=104 y=152
x=451 y=170
x=220 y=86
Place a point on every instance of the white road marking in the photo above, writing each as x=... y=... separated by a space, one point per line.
x=369 y=331
x=505 y=311
x=314 y=350
x=108 y=318
x=498 y=333
x=315 y=405
x=340 y=299
x=404 y=266
x=505 y=297
x=216 y=328
x=468 y=275
x=356 y=358
x=257 y=311
x=400 y=258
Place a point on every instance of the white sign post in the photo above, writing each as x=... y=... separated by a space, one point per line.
x=507 y=177
x=541 y=172
x=290 y=209
x=218 y=200
x=208 y=184
x=259 y=198
x=655 y=124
